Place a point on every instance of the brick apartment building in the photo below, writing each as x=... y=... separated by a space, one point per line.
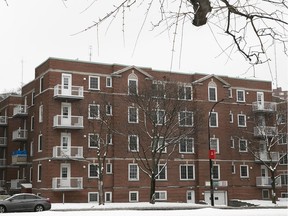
x=47 y=145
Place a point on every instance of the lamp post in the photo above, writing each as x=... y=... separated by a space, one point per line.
x=211 y=155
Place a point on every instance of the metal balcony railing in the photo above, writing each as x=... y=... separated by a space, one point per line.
x=267 y=156
x=75 y=92
x=73 y=152
x=3 y=141
x=19 y=134
x=20 y=110
x=69 y=122
x=266 y=182
x=265 y=131
x=265 y=107
x=72 y=183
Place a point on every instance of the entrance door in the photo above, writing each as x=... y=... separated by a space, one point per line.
x=66 y=84
x=66 y=114
x=65 y=175
x=66 y=144
x=260 y=100
x=220 y=197
x=190 y=196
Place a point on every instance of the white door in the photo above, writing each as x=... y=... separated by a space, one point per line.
x=66 y=144
x=190 y=196
x=65 y=175
x=66 y=114
x=66 y=84
x=220 y=197
x=260 y=100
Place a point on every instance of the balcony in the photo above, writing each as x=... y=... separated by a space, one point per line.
x=217 y=183
x=267 y=156
x=68 y=122
x=3 y=120
x=19 y=135
x=20 y=111
x=2 y=162
x=265 y=131
x=74 y=152
x=266 y=107
x=265 y=182
x=3 y=141
x=19 y=157
x=74 y=92
x=16 y=183
x=67 y=184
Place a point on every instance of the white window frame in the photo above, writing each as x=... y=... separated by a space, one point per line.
x=108 y=194
x=136 y=193
x=94 y=193
x=186 y=142
x=109 y=82
x=230 y=93
x=158 y=120
x=89 y=169
x=40 y=142
x=109 y=170
x=136 y=87
x=161 y=168
x=245 y=143
x=284 y=160
x=247 y=169
x=39 y=172
x=137 y=144
x=109 y=139
x=89 y=111
x=216 y=119
x=109 y=110
x=41 y=113
x=233 y=169
x=89 y=140
x=129 y=172
x=217 y=149
x=245 y=123
x=231 y=117
x=215 y=92
x=238 y=99
x=159 y=88
x=232 y=142
x=185 y=118
x=218 y=170
x=187 y=172
x=32 y=123
x=98 y=82
x=160 y=195
x=130 y=108
x=184 y=95
x=159 y=144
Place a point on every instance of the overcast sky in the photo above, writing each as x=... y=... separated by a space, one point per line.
x=34 y=30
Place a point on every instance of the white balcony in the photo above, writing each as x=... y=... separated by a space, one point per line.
x=265 y=131
x=3 y=141
x=16 y=183
x=266 y=182
x=3 y=120
x=20 y=110
x=265 y=107
x=267 y=156
x=67 y=153
x=19 y=135
x=67 y=184
x=68 y=122
x=217 y=183
x=74 y=92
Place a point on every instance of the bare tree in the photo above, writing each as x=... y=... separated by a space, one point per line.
x=163 y=122
x=253 y=26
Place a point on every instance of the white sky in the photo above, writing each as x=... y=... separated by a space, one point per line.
x=33 y=30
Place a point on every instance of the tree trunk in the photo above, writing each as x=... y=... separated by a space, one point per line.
x=152 y=189
x=273 y=190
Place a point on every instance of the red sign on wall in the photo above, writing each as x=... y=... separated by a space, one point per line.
x=212 y=154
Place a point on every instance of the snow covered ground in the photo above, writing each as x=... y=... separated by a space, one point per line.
x=129 y=209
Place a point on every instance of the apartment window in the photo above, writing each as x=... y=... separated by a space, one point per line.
x=93 y=197
x=159 y=117
x=160 y=195
x=33 y=98
x=41 y=113
x=132 y=115
x=159 y=145
x=93 y=140
x=213 y=120
x=232 y=142
x=284 y=158
x=109 y=110
x=133 y=196
x=282 y=139
x=132 y=86
x=186 y=145
x=108 y=197
x=32 y=123
x=281 y=119
x=109 y=168
x=31 y=148
x=214 y=144
x=284 y=179
x=93 y=171
x=133 y=141
x=241 y=120
x=94 y=82
x=93 y=111
x=212 y=93
x=185 y=92
x=108 y=81
x=187 y=172
x=186 y=118
x=161 y=172
x=109 y=139
x=265 y=194
x=233 y=169
x=216 y=172
x=230 y=93
x=243 y=145
x=40 y=143
x=284 y=195
x=240 y=95
x=231 y=119
x=133 y=172
x=244 y=171
x=41 y=84
x=39 y=173
x=158 y=89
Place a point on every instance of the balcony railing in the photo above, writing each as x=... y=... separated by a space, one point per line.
x=65 y=153
x=3 y=141
x=265 y=107
x=19 y=157
x=2 y=162
x=217 y=183
x=267 y=156
x=76 y=92
x=3 y=120
x=19 y=135
x=266 y=182
x=70 y=122
x=265 y=131
x=64 y=184
x=20 y=110
x=16 y=183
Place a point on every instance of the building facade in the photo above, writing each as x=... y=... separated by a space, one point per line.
x=49 y=136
